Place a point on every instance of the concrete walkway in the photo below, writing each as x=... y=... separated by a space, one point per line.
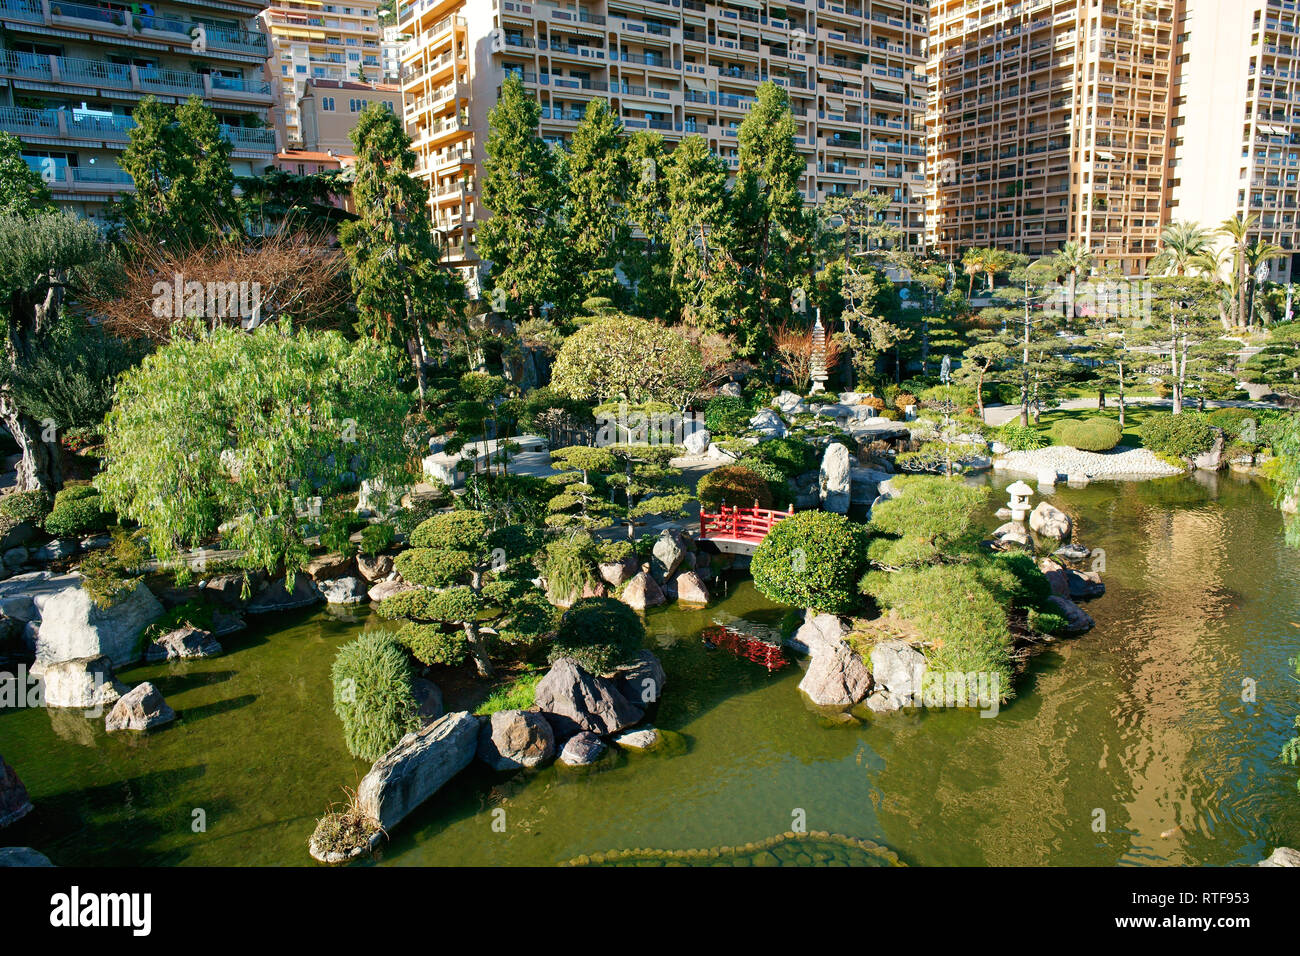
x=998 y=415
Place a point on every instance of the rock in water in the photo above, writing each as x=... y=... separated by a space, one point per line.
x=511 y=739
x=1056 y=577
x=184 y=643
x=344 y=590
x=1084 y=584
x=642 y=738
x=275 y=597
x=143 y=708
x=668 y=552
x=14 y=802
x=22 y=856
x=1048 y=522
x=642 y=682
x=417 y=768
x=898 y=668
x=574 y=700
x=1282 y=856
x=690 y=589
x=835 y=483
x=74 y=627
x=582 y=750
x=642 y=592
x=1076 y=619
x=86 y=682
x=836 y=678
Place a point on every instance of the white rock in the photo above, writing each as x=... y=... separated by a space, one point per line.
x=74 y=627
x=835 y=479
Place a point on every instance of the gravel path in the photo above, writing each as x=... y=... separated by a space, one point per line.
x=1122 y=462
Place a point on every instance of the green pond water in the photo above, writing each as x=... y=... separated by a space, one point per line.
x=1141 y=720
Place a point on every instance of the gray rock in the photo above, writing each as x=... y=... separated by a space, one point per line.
x=690 y=589
x=1047 y=521
x=54 y=551
x=582 y=750
x=697 y=442
x=184 y=643
x=417 y=768
x=1212 y=458
x=1282 y=856
x=142 y=708
x=817 y=632
x=669 y=549
x=86 y=682
x=328 y=566
x=642 y=738
x=1047 y=476
x=74 y=627
x=615 y=573
x=1072 y=552
x=1076 y=619
x=22 y=856
x=20 y=533
x=732 y=389
x=429 y=698
x=836 y=677
x=883 y=702
x=511 y=739
x=574 y=700
x=227 y=589
x=1056 y=576
x=386 y=589
x=898 y=668
x=789 y=403
x=15 y=557
x=14 y=802
x=275 y=597
x=1084 y=584
x=374 y=568
x=642 y=592
x=642 y=682
x=347 y=590
x=835 y=479
x=768 y=424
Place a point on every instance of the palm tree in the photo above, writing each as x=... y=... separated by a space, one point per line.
x=1211 y=264
x=1071 y=260
x=1238 y=229
x=1257 y=255
x=1180 y=244
x=973 y=264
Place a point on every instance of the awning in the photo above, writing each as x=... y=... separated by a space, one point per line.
x=889 y=86
x=693 y=84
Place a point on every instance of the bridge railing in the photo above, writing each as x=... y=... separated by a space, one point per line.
x=742 y=524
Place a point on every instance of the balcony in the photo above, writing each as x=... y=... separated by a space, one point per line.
x=100 y=74
x=97 y=128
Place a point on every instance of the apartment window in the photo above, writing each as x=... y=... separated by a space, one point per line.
x=327 y=104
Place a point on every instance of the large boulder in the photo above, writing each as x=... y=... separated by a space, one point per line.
x=14 y=802
x=1056 y=576
x=417 y=767
x=1084 y=584
x=639 y=739
x=617 y=572
x=86 y=682
x=642 y=592
x=789 y=403
x=386 y=589
x=669 y=549
x=276 y=597
x=374 y=568
x=73 y=626
x=184 y=643
x=574 y=700
x=697 y=442
x=142 y=708
x=818 y=632
x=582 y=750
x=835 y=482
x=1212 y=458
x=344 y=590
x=1049 y=522
x=898 y=669
x=1076 y=619
x=768 y=424
x=642 y=681
x=836 y=677
x=1282 y=856
x=690 y=589
x=328 y=566
x=511 y=739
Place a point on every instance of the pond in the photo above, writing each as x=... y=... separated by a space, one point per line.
x=1131 y=745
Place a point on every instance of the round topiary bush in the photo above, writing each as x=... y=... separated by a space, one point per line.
x=1090 y=434
x=25 y=506
x=811 y=560
x=598 y=633
x=373 y=694
x=736 y=485
x=76 y=514
x=1180 y=436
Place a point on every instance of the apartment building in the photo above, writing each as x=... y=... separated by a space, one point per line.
x=1236 y=123
x=319 y=41
x=1048 y=122
x=329 y=109
x=853 y=69
x=71 y=74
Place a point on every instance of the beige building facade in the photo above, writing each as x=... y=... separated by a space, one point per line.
x=329 y=110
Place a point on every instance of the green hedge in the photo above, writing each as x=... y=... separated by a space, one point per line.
x=1019 y=437
x=25 y=506
x=1181 y=436
x=726 y=415
x=811 y=560
x=598 y=633
x=1088 y=434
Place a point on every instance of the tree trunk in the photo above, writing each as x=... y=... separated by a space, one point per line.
x=478 y=649
x=40 y=468
x=1121 y=396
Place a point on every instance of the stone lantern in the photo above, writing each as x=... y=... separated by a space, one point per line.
x=1019 y=504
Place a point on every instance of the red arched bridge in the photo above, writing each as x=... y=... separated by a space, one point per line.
x=735 y=530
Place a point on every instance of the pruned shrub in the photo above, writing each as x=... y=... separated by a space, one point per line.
x=1181 y=436
x=726 y=415
x=30 y=506
x=811 y=560
x=374 y=694
x=734 y=485
x=1089 y=434
x=1019 y=437
x=929 y=517
x=793 y=456
x=376 y=538
x=77 y=511
x=598 y=633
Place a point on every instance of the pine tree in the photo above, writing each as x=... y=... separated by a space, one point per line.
x=598 y=224
x=524 y=239
x=400 y=290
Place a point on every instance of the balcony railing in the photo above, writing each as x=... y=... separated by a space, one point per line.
x=65 y=124
x=250 y=43
x=100 y=73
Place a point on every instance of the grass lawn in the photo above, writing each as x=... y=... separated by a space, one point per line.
x=1134 y=416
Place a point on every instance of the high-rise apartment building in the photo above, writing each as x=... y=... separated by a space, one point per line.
x=1236 y=123
x=320 y=41
x=853 y=69
x=71 y=74
x=1049 y=123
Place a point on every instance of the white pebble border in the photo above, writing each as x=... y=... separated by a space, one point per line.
x=1121 y=463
